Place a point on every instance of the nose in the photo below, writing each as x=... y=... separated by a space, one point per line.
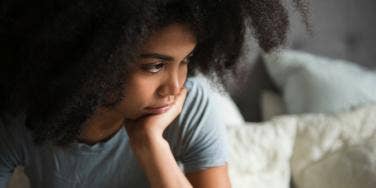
x=171 y=86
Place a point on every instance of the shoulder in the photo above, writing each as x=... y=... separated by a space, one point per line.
x=198 y=101
x=211 y=99
x=199 y=114
x=195 y=110
x=197 y=138
x=198 y=90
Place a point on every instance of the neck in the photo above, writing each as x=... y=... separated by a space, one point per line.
x=100 y=127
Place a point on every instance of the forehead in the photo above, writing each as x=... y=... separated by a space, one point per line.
x=173 y=37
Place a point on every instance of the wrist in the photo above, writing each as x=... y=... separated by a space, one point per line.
x=143 y=143
x=155 y=157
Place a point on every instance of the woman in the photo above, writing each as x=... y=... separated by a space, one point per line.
x=103 y=94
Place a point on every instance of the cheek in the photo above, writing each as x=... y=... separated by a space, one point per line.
x=183 y=73
x=140 y=90
x=136 y=97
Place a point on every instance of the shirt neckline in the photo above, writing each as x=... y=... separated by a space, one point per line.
x=81 y=147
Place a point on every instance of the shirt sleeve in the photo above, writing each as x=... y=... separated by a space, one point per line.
x=203 y=141
x=10 y=155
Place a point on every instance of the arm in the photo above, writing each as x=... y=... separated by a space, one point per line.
x=153 y=151
x=157 y=160
x=216 y=177
x=154 y=154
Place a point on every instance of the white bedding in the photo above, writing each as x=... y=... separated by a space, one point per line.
x=332 y=150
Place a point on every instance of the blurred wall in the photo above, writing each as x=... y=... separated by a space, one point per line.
x=344 y=29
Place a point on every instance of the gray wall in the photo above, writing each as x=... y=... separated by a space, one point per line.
x=344 y=29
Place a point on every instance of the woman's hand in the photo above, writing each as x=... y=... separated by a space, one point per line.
x=153 y=151
x=153 y=125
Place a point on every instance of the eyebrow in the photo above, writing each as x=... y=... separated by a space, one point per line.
x=160 y=56
x=157 y=56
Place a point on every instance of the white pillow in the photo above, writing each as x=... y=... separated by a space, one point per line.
x=324 y=150
x=350 y=167
x=260 y=153
x=337 y=150
x=316 y=84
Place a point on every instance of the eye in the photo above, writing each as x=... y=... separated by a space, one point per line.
x=153 y=68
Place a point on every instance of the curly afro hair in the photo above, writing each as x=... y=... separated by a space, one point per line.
x=62 y=59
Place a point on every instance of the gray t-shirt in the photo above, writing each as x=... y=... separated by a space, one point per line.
x=196 y=138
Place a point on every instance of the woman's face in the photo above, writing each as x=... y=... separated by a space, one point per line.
x=159 y=73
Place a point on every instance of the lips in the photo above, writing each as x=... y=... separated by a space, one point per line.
x=158 y=109
x=160 y=106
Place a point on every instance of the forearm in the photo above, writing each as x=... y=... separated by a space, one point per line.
x=158 y=162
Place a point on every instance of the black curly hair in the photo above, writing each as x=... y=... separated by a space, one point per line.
x=62 y=59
